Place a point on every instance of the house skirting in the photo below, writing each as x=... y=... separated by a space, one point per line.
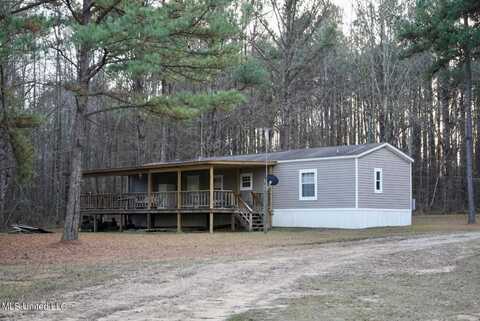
x=351 y=218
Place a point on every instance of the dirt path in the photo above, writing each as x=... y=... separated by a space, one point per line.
x=214 y=290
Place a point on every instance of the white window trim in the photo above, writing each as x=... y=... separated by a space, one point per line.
x=221 y=181
x=300 y=196
x=375 y=171
x=251 y=181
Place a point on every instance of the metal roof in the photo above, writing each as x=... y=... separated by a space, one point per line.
x=343 y=151
x=304 y=153
x=317 y=152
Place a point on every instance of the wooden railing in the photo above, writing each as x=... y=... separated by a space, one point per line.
x=244 y=213
x=195 y=199
x=159 y=200
x=224 y=199
x=257 y=201
x=124 y=201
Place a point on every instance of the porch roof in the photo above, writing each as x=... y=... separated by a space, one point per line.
x=171 y=166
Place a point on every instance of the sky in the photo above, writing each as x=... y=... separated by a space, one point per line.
x=348 y=12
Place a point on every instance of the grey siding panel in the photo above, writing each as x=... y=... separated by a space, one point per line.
x=335 y=184
x=396 y=181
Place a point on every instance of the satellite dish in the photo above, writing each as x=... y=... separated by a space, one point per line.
x=272 y=180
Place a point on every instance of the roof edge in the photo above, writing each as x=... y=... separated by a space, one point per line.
x=371 y=150
x=390 y=147
x=128 y=170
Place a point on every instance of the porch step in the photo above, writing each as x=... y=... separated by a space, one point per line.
x=248 y=216
x=251 y=221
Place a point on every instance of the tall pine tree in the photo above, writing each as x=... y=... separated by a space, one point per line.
x=190 y=40
x=450 y=29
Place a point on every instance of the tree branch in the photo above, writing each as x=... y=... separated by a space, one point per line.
x=60 y=51
x=29 y=6
x=107 y=11
x=72 y=11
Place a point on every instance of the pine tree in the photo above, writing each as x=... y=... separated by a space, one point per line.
x=181 y=40
x=20 y=26
x=450 y=29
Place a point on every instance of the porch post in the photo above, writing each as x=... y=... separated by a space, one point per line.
x=148 y=218
x=211 y=222
x=270 y=201
x=149 y=191
x=149 y=200
x=179 y=201
x=179 y=189
x=94 y=223
x=179 y=222
x=236 y=188
x=121 y=223
x=237 y=182
x=211 y=188
x=211 y=199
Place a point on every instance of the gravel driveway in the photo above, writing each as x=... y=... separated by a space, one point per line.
x=245 y=288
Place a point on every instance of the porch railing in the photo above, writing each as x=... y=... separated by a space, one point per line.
x=224 y=199
x=162 y=200
x=195 y=199
x=257 y=201
x=158 y=200
x=114 y=201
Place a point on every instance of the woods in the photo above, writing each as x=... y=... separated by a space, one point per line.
x=109 y=83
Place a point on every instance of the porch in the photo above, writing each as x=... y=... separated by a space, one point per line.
x=159 y=201
x=225 y=193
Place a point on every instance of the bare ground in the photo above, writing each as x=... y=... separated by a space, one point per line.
x=112 y=248
x=381 y=279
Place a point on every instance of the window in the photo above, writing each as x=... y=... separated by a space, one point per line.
x=218 y=182
x=307 y=179
x=246 y=182
x=378 y=180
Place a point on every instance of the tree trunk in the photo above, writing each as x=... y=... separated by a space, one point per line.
x=444 y=100
x=468 y=133
x=72 y=215
x=477 y=148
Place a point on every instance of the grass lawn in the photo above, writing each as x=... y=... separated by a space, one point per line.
x=42 y=266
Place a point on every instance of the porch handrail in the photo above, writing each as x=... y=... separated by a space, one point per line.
x=224 y=199
x=158 y=200
x=119 y=201
x=195 y=199
x=164 y=199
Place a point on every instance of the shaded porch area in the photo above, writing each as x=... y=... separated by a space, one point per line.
x=193 y=196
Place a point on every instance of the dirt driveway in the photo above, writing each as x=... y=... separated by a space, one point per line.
x=270 y=286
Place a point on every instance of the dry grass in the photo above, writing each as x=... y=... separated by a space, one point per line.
x=94 y=248
x=430 y=283
x=33 y=266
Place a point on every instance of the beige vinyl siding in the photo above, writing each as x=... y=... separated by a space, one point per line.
x=396 y=180
x=335 y=184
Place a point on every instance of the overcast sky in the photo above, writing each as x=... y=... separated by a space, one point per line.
x=347 y=7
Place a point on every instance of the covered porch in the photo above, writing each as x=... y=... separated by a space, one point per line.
x=209 y=194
